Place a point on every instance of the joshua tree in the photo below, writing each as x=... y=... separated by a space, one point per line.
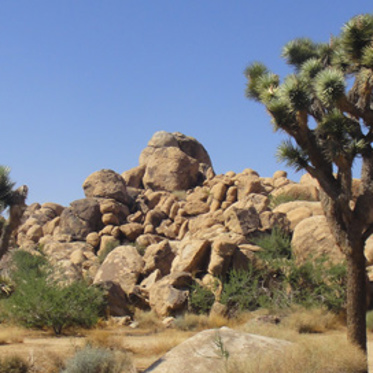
x=15 y=200
x=326 y=108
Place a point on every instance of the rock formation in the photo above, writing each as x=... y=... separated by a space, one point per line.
x=146 y=234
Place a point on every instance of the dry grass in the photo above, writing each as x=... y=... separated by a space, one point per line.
x=11 y=334
x=193 y=322
x=148 y=320
x=100 y=338
x=312 y=321
x=158 y=344
x=313 y=354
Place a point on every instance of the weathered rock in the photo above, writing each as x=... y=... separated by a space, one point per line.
x=242 y=218
x=169 y=295
x=270 y=219
x=117 y=299
x=111 y=206
x=170 y=169
x=201 y=353
x=193 y=256
x=107 y=243
x=106 y=184
x=248 y=182
x=193 y=148
x=50 y=226
x=132 y=230
x=149 y=281
x=35 y=233
x=298 y=191
x=312 y=238
x=81 y=218
x=110 y=219
x=145 y=240
x=123 y=266
x=159 y=256
x=296 y=211
x=133 y=177
x=218 y=191
x=222 y=250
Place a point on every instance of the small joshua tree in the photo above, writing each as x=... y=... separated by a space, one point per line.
x=15 y=200
x=326 y=108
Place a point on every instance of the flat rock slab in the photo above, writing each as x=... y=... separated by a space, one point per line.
x=205 y=351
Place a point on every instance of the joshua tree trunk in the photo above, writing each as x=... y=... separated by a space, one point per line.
x=356 y=297
x=16 y=211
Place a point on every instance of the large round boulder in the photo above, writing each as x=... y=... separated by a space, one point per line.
x=171 y=169
x=106 y=184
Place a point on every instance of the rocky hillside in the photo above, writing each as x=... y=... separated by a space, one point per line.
x=148 y=232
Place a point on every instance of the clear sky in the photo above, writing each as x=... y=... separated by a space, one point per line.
x=84 y=84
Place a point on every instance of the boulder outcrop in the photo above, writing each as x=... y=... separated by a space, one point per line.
x=147 y=234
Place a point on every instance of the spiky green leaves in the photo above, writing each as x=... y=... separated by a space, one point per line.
x=6 y=186
x=311 y=68
x=298 y=51
x=337 y=137
x=330 y=86
x=292 y=155
x=296 y=92
x=356 y=35
x=367 y=57
x=253 y=74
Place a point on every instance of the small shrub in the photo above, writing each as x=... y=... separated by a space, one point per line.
x=200 y=299
x=243 y=290
x=276 y=244
x=40 y=300
x=13 y=364
x=98 y=360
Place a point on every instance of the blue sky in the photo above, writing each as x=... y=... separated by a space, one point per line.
x=84 y=84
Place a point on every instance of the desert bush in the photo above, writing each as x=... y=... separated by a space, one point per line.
x=41 y=300
x=200 y=299
x=281 y=283
x=13 y=364
x=98 y=360
x=276 y=244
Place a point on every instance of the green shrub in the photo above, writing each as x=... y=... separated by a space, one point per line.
x=276 y=244
x=13 y=364
x=242 y=290
x=98 y=360
x=41 y=300
x=281 y=283
x=200 y=299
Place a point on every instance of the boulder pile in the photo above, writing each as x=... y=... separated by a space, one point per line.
x=148 y=233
